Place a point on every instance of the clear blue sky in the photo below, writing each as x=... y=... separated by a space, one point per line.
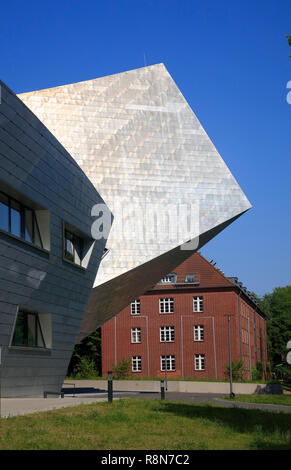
x=230 y=60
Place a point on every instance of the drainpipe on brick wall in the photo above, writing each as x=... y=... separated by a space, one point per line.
x=115 y=345
x=250 y=352
x=255 y=334
x=239 y=322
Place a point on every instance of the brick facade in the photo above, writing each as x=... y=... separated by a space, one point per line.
x=191 y=356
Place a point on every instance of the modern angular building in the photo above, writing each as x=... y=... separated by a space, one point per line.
x=179 y=327
x=48 y=258
x=146 y=153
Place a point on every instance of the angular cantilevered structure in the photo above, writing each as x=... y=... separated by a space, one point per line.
x=48 y=258
x=143 y=148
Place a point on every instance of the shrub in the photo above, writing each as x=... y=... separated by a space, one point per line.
x=257 y=372
x=238 y=370
x=122 y=369
x=85 y=369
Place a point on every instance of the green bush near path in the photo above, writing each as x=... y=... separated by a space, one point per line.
x=132 y=424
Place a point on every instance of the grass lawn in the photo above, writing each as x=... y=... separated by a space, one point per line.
x=147 y=424
x=264 y=398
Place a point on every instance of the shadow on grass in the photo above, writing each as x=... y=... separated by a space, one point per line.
x=262 y=424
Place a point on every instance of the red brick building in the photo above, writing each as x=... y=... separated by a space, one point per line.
x=183 y=318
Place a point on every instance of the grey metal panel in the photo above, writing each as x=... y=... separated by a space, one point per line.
x=38 y=168
x=136 y=138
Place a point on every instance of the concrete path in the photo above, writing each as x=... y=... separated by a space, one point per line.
x=22 y=406
x=86 y=393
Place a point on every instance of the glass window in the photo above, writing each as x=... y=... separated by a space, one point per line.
x=168 y=363
x=136 y=363
x=199 y=362
x=19 y=220
x=4 y=212
x=16 y=219
x=190 y=278
x=198 y=333
x=168 y=279
x=28 y=331
x=198 y=304
x=135 y=335
x=73 y=248
x=166 y=305
x=167 y=334
x=135 y=307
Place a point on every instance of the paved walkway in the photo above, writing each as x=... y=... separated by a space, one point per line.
x=86 y=395
x=22 y=406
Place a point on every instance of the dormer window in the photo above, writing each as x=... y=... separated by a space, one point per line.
x=190 y=278
x=168 y=279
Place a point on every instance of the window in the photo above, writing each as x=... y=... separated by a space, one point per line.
x=198 y=333
x=135 y=335
x=32 y=330
x=200 y=362
x=73 y=248
x=167 y=334
x=190 y=278
x=19 y=220
x=198 y=304
x=168 y=279
x=77 y=246
x=168 y=363
x=167 y=305
x=136 y=363
x=135 y=307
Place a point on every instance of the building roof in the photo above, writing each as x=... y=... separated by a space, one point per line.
x=206 y=276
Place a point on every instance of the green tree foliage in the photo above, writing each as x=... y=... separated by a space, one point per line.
x=86 y=357
x=238 y=370
x=277 y=308
x=258 y=371
x=289 y=40
x=122 y=369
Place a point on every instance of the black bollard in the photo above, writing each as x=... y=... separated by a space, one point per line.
x=110 y=387
x=162 y=390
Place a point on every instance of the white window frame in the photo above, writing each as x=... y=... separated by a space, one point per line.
x=199 y=333
x=166 y=305
x=192 y=276
x=136 y=335
x=136 y=364
x=168 y=362
x=199 y=362
x=198 y=304
x=167 y=334
x=135 y=307
x=168 y=279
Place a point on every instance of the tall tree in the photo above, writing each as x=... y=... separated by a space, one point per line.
x=89 y=348
x=277 y=307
